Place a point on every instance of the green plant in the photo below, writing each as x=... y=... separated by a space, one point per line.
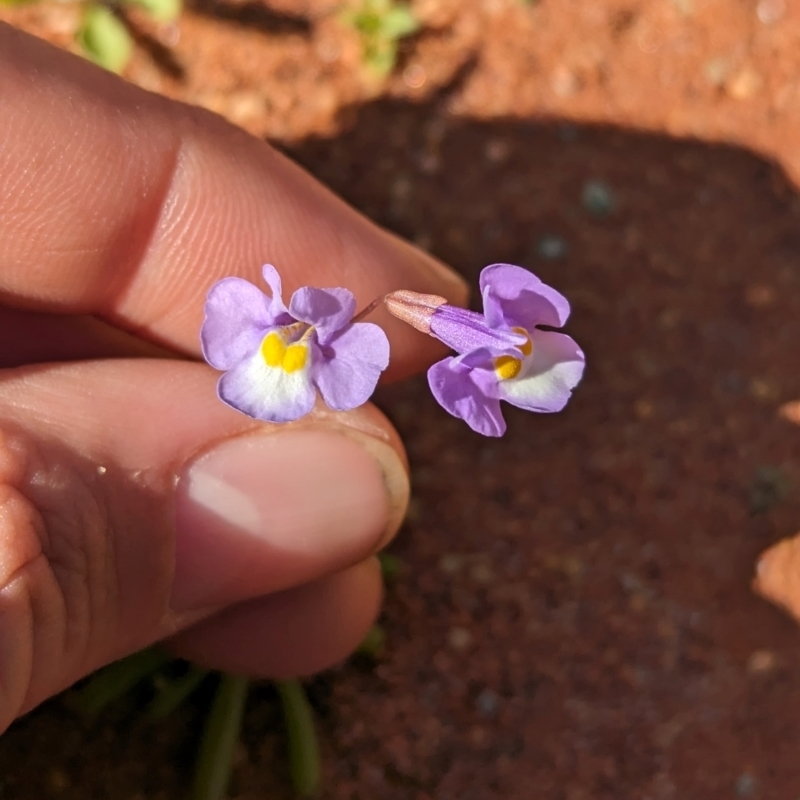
x=172 y=682
x=104 y=36
x=381 y=24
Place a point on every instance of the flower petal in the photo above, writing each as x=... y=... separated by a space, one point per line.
x=346 y=370
x=279 y=311
x=237 y=314
x=548 y=376
x=268 y=393
x=328 y=310
x=468 y=394
x=465 y=331
x=514 y=297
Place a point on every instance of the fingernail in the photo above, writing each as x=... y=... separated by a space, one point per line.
x=268 y=511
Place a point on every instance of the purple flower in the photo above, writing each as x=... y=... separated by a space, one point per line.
x=275 y=358
x=502 y=355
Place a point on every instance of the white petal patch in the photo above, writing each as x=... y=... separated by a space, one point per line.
x=268 y=393
x=547 y=376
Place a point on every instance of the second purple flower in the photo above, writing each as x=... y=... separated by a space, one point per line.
x=502 y=354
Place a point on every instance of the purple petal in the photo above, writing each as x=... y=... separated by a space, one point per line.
x=514 y=297
x=267 y=393
x=346 y=370
x=548 y=377
x=279 y=311
x=468 y=394
x=328 y=310
x=237 y=314
x=466 y=331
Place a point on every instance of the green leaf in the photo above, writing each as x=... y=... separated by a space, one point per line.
x=105 y=39
x=115 y=680
x=160 y=10
x=220 y=737
x=391 y=565
x=302 y=741
x=381 y=57
x=175 y=692
x=374 y=643
x=398 y=22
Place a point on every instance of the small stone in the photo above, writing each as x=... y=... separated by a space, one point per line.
x=551 y=247
x=451 y=563
x=414 y=76
x=770 y=11
x=245 y=106
x=745 y=785
x=790 y=411
x=487 y=703
x=643 y=409
x=459 y=638
x=716 y=71
x=763 y=389
x=482 y=573
x=759 y=295
x=778 y=575
x=744 y=84
x=496 y=151
x=770 y=486
x=761 y=662
x=598 y=199
x=564 y=82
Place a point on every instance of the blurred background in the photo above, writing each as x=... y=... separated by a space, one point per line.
x=570 y=614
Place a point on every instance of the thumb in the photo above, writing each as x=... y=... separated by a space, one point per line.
x=134 y=505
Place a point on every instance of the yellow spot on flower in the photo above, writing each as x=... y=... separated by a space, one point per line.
x=507 y=367
x=276 y=353
x=272 y=349
x=527 y=346
x=294 y=358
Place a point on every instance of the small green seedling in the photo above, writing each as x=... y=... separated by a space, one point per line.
x=104 y=36
x=381 y=24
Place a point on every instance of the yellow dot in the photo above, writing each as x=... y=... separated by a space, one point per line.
x=294 y=358
x=507 y=367
x=272 y=349
x=527 y=346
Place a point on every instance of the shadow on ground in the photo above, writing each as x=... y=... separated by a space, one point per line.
x=574 y=617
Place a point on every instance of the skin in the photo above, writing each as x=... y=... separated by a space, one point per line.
x=118 y=210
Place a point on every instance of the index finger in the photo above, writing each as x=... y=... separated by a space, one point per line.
x=124 y=204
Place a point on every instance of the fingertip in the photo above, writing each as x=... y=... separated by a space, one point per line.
x=294 y=633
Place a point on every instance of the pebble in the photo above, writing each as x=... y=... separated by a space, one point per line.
x=745 y=785
x=744 y=84
x=496 y=151
x=459 y=638
x=716 y=70
x=761 y=662
x=551 y=247
x=450 y=563
x=487 y=703
x=770 y=11
x=414 y=76
x=790 y=411
x=564 y=82
x=598 y=199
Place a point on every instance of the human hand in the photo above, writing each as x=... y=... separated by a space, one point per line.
x=134 y=506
